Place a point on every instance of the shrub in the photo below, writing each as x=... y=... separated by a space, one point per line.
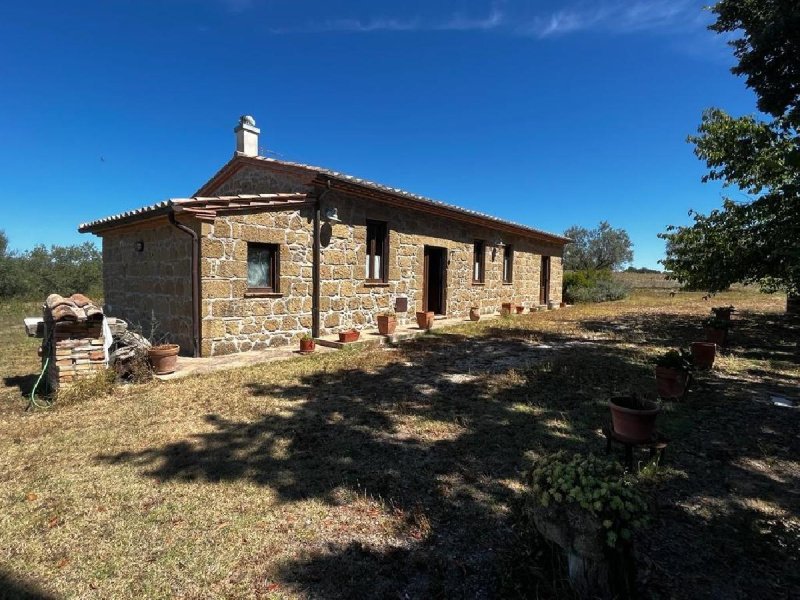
x=98 y=385
x=592 y=286
x=597 y=487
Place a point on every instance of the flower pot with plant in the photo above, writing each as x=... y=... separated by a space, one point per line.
x=590 y=508
x=703 y=354
x=387 y=323
x=348 y=336
x=425 y=319
x=723 y=313
x=474 y=314
x=307 y=344
x=716 y=330
x=634 y=418
x=672 y=373
x=164 y=358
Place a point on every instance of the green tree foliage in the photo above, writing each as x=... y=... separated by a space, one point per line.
x=754 y=241
x=42 y=271
x=601 y=249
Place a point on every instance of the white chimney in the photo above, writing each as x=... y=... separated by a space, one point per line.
x=247 y=136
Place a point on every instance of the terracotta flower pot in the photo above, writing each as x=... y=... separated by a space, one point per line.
x=506 y=308
x=351 y=335
x=520 y=310
x=633 y=418
x=703 y=354
x=387 y=324
x=716 y=336
x=670 y=383
x=563 y=304
x=164 y=358
x=474 y=314
x=307 y=345
x=425 y=320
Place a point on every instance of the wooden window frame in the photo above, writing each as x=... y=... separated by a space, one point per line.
x=479 y=253
x=508 y=273
x=371 y=252
x=274 y=269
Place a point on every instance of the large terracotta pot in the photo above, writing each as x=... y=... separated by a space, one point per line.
x=506 y=308
x=387 y=324
x=634 y=419
x=703 y=354
x=716 y=336
x=164 y=358
x=670 y=383
x=520 y=310
x=351 y=335
x=307 y=345
x=425 y=320
x=474 y=314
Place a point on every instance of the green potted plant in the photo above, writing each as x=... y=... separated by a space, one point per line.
x=716 y=330
x=672 y=373
x=723 y=312
x=634 y=418
x=590 y=508
x=307 y=344
x=387 y=323
x=474 y=313
x=425 y=319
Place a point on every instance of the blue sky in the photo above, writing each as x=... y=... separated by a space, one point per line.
x=547 y=113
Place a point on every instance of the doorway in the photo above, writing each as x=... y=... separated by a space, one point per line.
x=434 y=284
x=544 y=281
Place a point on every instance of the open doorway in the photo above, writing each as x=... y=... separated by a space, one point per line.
x=544 y=281
x=434 y=288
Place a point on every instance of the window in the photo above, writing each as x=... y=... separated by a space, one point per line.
x=508 y=264
x=478 y=261
x=377 y=252
x=263 y=267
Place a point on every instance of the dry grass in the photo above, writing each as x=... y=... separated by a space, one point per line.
x=397 y=473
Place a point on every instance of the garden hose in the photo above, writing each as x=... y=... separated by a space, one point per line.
x=33 y=401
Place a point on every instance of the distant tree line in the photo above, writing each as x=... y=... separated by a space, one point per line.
x=58 y=269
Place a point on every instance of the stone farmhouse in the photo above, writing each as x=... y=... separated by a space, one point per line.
x=269 y=250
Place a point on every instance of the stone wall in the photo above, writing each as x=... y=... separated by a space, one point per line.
x=235 y=321
x=153 y=286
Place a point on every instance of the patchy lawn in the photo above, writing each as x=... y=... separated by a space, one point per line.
x=398 y=473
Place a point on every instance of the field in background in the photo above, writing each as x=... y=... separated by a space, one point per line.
x=399 y=473
x=644 y=280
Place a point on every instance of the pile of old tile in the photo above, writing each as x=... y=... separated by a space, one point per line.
x=74 y=340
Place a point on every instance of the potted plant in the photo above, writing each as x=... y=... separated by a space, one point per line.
x=520 y=309
x=634 y=418
x=307 y=344
x=163 y=358
x=589 y=508
x=387 y=323
x=425 y=319
x=703 y=354
x=506 y=308
x=723 y=312
x=474 y=314
x=350 y=335
x=672 y=373
x=716 y=330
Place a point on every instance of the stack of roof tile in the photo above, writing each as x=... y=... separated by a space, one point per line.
x=74 y=339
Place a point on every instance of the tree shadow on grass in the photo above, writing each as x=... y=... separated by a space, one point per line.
x=14 y=587
x=441 y=434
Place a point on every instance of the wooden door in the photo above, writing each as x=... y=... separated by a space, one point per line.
x=434 y=284
x=544 y=281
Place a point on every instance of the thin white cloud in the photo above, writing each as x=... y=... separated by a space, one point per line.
x=605 y=16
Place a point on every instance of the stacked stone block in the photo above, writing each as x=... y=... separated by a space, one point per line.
x=76 y=351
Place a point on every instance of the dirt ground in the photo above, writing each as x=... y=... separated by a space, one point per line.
x=398 y=473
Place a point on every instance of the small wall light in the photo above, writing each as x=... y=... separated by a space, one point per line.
x=139 y=246
x=332 y=214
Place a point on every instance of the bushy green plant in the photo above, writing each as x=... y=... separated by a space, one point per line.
x=592 y=286
x=597 y=486
x=675 y=359
x=716 y=323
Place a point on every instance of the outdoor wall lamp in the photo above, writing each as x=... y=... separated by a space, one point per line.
x=332 y=215
x=139 y=246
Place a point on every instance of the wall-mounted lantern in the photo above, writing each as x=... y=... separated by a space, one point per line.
x=332 y=215
x=139 y=246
